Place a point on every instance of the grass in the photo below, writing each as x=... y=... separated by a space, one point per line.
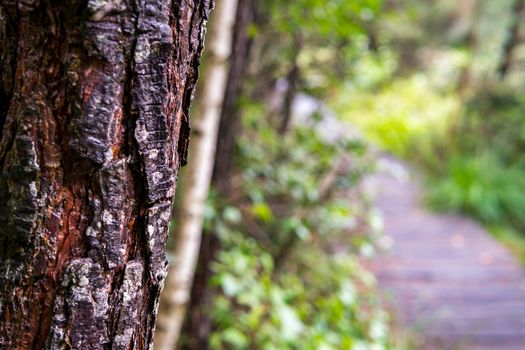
x=482 y=188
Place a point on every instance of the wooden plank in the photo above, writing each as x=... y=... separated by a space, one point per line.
x=445 y=277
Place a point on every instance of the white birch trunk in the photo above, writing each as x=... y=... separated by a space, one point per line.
x=196 y=183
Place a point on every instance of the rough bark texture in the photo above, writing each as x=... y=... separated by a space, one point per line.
x=198 y=324
x=94 y=125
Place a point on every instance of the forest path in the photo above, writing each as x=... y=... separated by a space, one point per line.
x=447 y=279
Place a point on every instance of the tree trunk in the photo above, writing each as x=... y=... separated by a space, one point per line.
x=198 y=323
x=230 y=119
x=94 y=126
x=292 y=80
x=466 y=77
x=512 y=40
x=208 y=106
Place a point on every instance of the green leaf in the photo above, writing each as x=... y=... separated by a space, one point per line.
x=291 y=325
x=232 y=214
x=230 y=285
x=235 y=337
x=262 y=212
x=302 y=232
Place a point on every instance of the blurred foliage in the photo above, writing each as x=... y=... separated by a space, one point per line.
x=420 y=80
x=483 y=188
x=405 y=116
x=483 y=173
x=440 y=104
x=496 y=116
x=325 y=39
x=295 y=226
x=321 y=304
x=318 y=18
x=288 y=270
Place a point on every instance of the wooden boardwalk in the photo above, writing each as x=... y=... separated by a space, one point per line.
x=448 y=281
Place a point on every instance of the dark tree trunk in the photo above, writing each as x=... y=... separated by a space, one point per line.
x=198 y=324
x=230 y=121
x=474 y=10
x=292 y=79
x=94 y=125
x=513 y=39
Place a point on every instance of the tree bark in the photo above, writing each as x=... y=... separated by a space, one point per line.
x=94 y=124
x=190 y=216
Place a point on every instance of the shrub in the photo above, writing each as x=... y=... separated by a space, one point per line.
x=288 y=273
x=482 y=187
x=405 y=117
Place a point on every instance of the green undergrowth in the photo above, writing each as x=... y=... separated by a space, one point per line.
x=482 y=188
x=406 y=117
x=288 y=275
x=470 y=149
x=487 y=191
x=482 y=175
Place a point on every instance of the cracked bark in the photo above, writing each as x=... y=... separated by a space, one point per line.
x=94 y=102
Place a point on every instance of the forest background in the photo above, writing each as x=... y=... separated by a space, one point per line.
x=295 y=102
